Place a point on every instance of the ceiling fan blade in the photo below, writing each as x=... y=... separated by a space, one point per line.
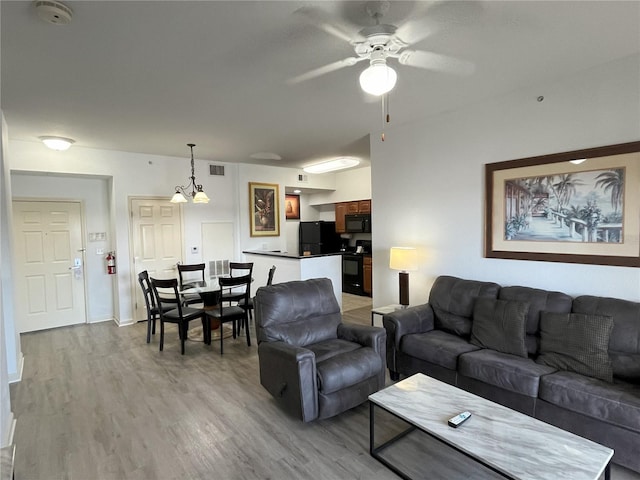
x=436 y=61
x=414 y=31
x=331 y=67
x=327 y=22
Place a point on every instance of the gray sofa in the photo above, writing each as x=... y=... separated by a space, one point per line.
x=466 y=336
x=313 y=364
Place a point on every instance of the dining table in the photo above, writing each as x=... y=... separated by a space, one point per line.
x=209 y=293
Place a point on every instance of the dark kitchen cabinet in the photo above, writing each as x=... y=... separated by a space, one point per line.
x=350 y=208
x=341 y=211
x=367 y=270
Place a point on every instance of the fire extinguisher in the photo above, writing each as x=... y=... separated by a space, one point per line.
x=111 y=263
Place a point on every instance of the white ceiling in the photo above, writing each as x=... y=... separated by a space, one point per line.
x=152 y=76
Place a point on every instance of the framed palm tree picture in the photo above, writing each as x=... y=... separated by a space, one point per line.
x=264 y=210
x=576 y=207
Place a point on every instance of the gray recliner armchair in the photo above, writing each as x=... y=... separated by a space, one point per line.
x=312 y=363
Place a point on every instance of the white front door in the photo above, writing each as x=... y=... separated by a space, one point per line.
x=49 y=264
x=157 y=243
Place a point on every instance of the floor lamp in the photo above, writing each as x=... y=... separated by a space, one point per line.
x=405 y=260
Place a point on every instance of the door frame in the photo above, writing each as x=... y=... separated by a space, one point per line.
x=132 y=262
x=83 y=230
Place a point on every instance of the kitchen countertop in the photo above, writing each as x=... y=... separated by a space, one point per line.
x=274 y=253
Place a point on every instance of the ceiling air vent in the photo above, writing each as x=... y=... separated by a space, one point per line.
x=216 y=170
x=303 y=178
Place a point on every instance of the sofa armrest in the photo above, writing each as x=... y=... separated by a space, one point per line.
x=373 y=337
x=288 y=373
x=403 y=322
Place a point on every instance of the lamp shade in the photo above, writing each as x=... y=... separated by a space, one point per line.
x=403 y=258
x=378 y=78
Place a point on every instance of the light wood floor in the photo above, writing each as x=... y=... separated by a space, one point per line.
x=97 y=402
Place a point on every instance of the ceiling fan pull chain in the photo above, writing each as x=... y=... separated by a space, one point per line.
x=382 y=97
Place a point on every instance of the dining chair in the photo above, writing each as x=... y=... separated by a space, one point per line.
x=153 y=311
x=191 y=276
x=249 y=305
x=173 y=311
x=240 y=287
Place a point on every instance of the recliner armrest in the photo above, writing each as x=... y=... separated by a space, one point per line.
x=366 y=336
x=289 y=374
x=372 y=337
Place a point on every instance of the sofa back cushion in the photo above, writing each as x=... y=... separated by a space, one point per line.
x=539 y=301
x=452 y=300
x=299 y=313
x=500 y=325
x=624 y=343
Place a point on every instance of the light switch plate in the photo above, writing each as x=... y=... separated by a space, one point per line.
x=194 y=249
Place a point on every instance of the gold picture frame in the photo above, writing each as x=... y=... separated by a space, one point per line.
x=264 y=209
x=292 y=207
x=552 y=208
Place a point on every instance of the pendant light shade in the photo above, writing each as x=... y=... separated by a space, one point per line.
x=178 y=198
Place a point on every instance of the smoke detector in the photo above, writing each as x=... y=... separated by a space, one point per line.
x=54 y=12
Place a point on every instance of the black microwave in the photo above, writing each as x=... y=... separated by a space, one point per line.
x=357 y=223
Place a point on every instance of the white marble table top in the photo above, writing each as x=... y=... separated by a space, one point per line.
x=515 y=444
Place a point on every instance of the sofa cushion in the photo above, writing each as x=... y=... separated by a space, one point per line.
x=331 y=348
x=500 y=325
x=624 y=344
x=517 y=374
x=617 y=403
x=576 y=342
x=452 y=300
x=539 y=301
x=437 y=347
x=347 y=369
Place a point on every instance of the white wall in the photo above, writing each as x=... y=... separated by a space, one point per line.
x=10 y=354
x=93 y=193
x=428 y=180
x=354 y=184
x=131 y=174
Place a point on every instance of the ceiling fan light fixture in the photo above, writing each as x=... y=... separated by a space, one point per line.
x=339 y=163
x=57 y=143
x=379 y=78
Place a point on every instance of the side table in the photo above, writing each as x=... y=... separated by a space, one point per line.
x=384 y=310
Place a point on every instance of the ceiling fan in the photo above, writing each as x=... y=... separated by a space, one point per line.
x=377 y=44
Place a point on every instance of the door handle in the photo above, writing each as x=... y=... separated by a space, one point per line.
x=75 y=268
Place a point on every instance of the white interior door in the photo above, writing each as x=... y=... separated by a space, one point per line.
x=49 y=264
x=157 y=243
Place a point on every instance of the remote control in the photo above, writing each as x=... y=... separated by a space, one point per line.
x=458 y=420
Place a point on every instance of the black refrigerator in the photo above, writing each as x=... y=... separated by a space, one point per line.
x=318 y=237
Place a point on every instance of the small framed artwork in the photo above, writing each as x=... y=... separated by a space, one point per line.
x=292 y=207
x=264 y=211
x=574 y=207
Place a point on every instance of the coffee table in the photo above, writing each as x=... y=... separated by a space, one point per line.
x=508 y=442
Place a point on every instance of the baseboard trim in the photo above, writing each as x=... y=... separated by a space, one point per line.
x=17 y=377
x=124 y=323
x=7 y=437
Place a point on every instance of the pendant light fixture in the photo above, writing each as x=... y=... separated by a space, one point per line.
x=196 y=190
